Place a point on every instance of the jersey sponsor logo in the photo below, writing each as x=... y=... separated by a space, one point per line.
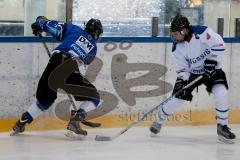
x=84 y=44
x=199 y=58
x=198 y=70
x=78 y=50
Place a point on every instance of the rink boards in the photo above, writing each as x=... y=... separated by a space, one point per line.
x=136 y=74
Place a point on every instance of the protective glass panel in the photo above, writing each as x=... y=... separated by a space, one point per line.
x=16 y=16
x=134 y=17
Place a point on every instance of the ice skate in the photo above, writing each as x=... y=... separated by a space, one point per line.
x=155 y=127
x=19 y=127
x=74 y=129
x=224 y=134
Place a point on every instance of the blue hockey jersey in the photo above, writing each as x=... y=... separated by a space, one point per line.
x=74 y=40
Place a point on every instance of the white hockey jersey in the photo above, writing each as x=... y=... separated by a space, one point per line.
x=190 y=55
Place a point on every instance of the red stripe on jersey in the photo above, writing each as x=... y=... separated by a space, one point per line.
x=208 y=36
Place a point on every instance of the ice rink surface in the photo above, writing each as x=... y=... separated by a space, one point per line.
x=174 y=143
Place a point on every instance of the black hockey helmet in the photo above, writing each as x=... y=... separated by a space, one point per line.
x=178 y=23
x=94 y=28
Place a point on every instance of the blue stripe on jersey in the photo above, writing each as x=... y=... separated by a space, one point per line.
x=217 y=49
x=221 y=110
x=174 y=47
x=221 y=118
x=198 y=29
x=165 y=112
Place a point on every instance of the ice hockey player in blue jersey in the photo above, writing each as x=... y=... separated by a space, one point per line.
x=76 y=43
x=197 y=50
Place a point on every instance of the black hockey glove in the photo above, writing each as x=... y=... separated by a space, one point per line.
x=180 y=92
x=42 y=17
x=36 y=30
x=209 y=68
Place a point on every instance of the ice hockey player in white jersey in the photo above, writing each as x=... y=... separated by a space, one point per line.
x=197 y=50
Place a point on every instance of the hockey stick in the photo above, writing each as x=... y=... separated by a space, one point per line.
x=106 y=138
x=87 y=123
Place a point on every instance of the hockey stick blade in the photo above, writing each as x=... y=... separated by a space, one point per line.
x=103 y=138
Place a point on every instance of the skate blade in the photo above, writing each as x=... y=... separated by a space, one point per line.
x=74 y=136
x=224 y=140
x=153 y=135
x=13 y=133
